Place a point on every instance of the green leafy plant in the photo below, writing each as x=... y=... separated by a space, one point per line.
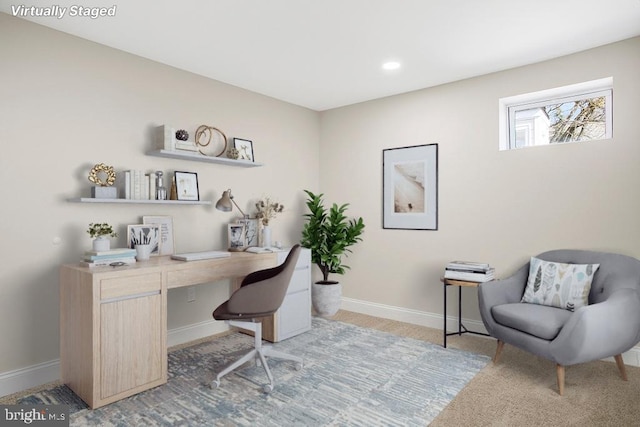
x=104 y=229
x=329 y=234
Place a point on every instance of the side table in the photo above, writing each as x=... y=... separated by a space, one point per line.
x=461 y=328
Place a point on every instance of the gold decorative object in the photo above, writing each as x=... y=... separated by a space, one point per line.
x=233 y=153
x=101 y=170
x=205 y=134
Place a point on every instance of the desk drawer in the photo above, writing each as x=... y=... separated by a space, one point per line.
x=130 y=285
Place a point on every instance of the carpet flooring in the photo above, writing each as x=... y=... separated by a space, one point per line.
x=352 y=376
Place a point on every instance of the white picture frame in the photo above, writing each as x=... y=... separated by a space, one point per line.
x=251 y=230
x=167 y=246
x=144 y=233
x=236 y=237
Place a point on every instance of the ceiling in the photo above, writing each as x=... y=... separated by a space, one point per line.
x=323 y=54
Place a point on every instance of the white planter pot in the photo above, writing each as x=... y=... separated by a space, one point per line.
x=101 y=243
x=326 y=298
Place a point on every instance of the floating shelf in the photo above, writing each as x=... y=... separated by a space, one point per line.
x=135 y=201
x=197 y=157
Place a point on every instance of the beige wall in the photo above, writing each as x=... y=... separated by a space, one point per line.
x=67 y=104
x=496 y=207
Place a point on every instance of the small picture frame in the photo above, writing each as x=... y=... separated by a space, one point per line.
x=250 y=231
x=144 y=234
x=167 y=243
x=186 y=185
x=245 y=149
x=236 y=237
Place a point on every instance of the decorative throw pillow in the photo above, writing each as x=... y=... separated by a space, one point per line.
x=559 y=285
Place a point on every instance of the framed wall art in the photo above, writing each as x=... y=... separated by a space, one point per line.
x=236 y=237
x=143 y=234
x=187 y=185
x=167 y=243
x=410 y=187
x=245 y=149
x=250 y=231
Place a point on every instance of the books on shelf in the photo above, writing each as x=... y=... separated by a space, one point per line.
x=469 y=271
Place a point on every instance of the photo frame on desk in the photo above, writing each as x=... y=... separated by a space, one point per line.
x=144 y=234
x=236 y=237
x=250 y=231
x=167 y=242
x=245 y=149
x=186 y=185
x=410 y=187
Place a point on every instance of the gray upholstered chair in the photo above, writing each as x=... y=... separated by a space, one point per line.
x=260 y=294
x=608 y=326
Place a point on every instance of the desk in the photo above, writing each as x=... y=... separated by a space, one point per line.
x=113 y=321
x=461 y=328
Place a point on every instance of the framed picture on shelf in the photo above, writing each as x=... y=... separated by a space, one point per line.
x=142 y=234
x=236 y=237
x=167 y=243
x=250 y=231
x=410 y=187
x=186 y=185
x=245 y=149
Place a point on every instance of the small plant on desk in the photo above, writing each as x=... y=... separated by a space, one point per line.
x=101 y=230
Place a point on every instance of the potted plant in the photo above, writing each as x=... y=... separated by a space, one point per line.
x=328 y=233
x=100 y=233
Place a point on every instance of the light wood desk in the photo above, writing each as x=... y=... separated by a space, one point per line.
x=113 y=320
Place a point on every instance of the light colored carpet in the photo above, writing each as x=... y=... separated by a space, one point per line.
x=353 y=376
x=520 y=390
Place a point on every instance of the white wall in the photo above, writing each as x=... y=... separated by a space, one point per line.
x=496 y=207
x=67 y=104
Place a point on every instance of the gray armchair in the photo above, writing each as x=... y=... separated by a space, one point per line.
x=608 y=326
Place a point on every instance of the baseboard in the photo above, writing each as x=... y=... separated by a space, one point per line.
x=31 y=376
x=435 y=321
x=43 y=373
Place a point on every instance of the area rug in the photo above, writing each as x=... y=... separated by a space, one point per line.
x=351 y=376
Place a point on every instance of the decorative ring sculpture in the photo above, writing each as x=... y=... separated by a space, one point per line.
x=101 y=168
x=204 y=135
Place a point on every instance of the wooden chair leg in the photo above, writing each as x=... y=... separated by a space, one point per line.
x=560 y=375
x=620 y=363
x=499 y=348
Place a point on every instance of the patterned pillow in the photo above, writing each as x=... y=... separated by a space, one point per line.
x=559 y=285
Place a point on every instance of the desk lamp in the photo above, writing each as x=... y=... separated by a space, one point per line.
x=225 y=203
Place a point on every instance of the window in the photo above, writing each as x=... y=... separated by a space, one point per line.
x=575 y=113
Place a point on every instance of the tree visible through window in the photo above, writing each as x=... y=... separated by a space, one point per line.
x=570 y=114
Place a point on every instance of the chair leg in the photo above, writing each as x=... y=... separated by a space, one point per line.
x=499 y=348
x=560 y=376
x=621 y=368
x=259 y=353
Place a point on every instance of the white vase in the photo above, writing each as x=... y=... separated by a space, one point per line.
x=143 y=252
x=101 y=243
x=266 y=236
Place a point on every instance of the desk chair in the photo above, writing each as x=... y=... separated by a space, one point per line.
x=260 y=294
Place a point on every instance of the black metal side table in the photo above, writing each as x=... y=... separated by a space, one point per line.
x=461 y=328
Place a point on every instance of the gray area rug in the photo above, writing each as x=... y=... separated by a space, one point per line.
x=352 y=376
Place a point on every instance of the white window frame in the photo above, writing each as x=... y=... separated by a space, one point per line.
x=591 y=89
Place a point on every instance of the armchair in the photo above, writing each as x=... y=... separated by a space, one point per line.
x=608 y=326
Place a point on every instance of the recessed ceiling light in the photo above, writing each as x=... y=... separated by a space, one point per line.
x=391 y=65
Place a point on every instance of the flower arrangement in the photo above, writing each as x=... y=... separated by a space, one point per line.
x=98 y=230
x=267 y=210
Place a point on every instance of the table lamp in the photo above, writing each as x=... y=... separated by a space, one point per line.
x=226 y=203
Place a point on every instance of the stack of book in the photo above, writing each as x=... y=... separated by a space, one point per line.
x=101 y=258
x=469 y=271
